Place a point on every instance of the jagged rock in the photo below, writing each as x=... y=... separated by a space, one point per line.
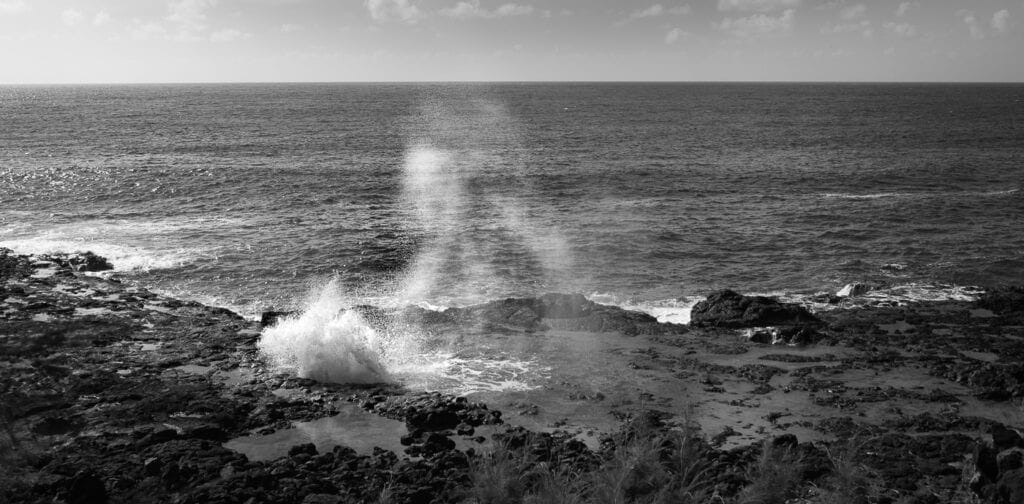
x=1010 y=487
x=569 y=312
x=270 y=317
x=80 y=261
x=853 y=290
x=86 y=488
x=322 y=499
x=433 y=411
x=1010 y=460
x=1003 y=438
x=798 y=335
x=727 y=308
x=1006 y=300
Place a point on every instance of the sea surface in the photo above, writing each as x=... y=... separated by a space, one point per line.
x=648 y=196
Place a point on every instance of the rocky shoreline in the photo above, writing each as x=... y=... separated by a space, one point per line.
x=112 y=393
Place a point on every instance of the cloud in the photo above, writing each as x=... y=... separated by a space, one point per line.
x=229 y=35
x=853 y=12
x=863 y=27
x=758 y=25
x=658 y=10
x=471 y=9
x=71 y=17
x=401 y=11
x=147 y=31
x=290 y=28
x=13 y=6
x=977 y=32
x=903 y=30
x=1001 y=21
x=189 y=18
x=101 y=18
x=756 y=5
x=674 y=35
x=905 y=7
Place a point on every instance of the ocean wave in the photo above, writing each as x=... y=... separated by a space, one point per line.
x=865 y=196
x=886 y=195
x=670 y=311
x=915 y=292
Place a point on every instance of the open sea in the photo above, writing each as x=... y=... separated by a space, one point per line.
x=642 y=195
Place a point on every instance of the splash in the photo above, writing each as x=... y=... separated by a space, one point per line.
x=327 y=342
x=461 y=191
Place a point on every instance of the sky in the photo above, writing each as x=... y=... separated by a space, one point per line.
x=141 y=41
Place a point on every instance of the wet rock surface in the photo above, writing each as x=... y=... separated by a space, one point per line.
x=111 y=393
x=566 y=312
x=727 y=308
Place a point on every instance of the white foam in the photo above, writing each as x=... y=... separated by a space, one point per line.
x=899 y=294
x=668 y=311
x=864 y=196
x=460 y=375
x=327 y=342
x=123 y=258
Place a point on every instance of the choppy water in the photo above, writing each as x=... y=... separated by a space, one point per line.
x=635 y=194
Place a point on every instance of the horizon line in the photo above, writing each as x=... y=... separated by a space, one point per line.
x=171 y=83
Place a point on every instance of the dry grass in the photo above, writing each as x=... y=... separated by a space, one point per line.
x=649 y=468
x=775 y=476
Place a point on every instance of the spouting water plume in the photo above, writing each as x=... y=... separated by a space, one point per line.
x=327 y=342
x=464 y=183
x=462 y=188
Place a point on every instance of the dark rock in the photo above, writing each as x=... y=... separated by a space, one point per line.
x=785 y=441
x=53 y=425
x=1003 y=301
x=158 y=436
x=730 y=309
x=985 y=462
x=1010 y=487
x=1003 y=438
x=437 y=443
x=270 y=317
x=1010 y=460
x=464 y=429
x=571 y=312
x=322 y=499
x=86 y=488
x=152 y=466
x=89 y=262
x=211 y=432
x=994 y=394
x=302 y=449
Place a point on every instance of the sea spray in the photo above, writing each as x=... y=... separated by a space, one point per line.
x=328 y=341
x=451 y=178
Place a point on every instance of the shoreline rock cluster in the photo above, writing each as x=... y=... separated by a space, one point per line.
x=112 y=393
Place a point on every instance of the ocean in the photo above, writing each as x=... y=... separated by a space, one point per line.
x=648 y=196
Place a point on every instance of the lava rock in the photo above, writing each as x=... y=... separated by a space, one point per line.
x=1006 y=300
x=1010 y=488
x=302 y=449
x=1010 y=460
x=727 y=308
x=1003 y=438
x=86 y=488
x=270 y=317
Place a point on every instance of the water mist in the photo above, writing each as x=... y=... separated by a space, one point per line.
x=460 y=190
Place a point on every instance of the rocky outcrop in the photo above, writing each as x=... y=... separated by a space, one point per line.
x=566 y=312
x=79 y=261
x=729 y=309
